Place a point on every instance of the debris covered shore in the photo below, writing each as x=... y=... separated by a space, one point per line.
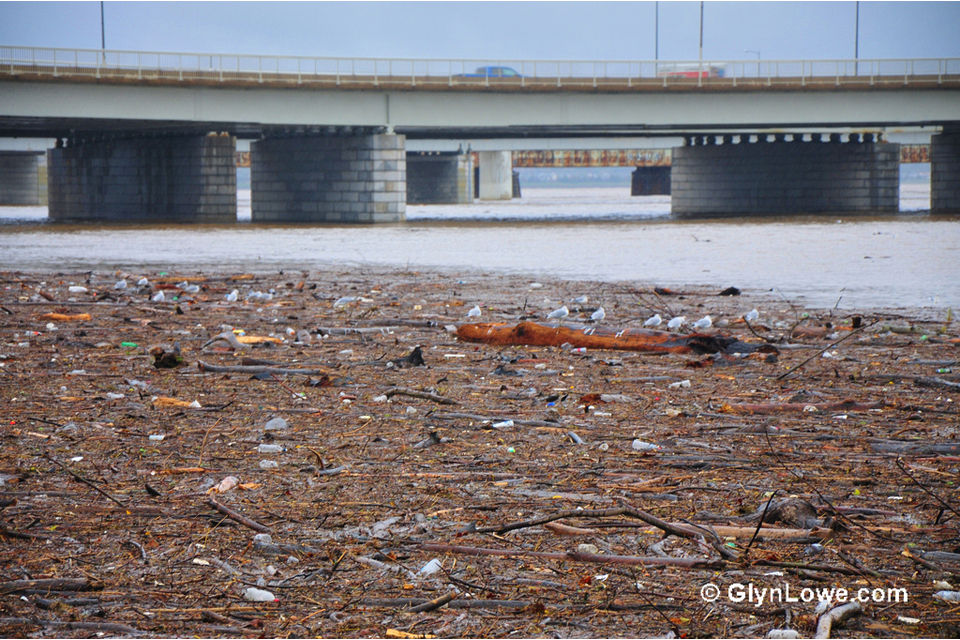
x=325 y=457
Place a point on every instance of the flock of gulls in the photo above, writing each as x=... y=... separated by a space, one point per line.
x=674 y=324
x=186 y=287
x=653 y=322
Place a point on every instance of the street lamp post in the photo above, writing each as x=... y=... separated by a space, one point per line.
x=758 y=59
x=856 y=43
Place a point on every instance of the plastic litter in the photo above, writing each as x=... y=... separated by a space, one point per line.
x=640 y=445
x=683 y=384
x=156 y=438
x=270 y=448
x=783 y=634
x=430 y=568
x=268 y=464
x=275 y=424
x=252 y=594
x=77 y=289
x=948 y=596
x=505 y=424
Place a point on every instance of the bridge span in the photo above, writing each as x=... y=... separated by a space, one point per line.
x=152 y=135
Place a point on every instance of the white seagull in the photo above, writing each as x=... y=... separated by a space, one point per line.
x=232 y=296
x=158 y=297
x=653 y=321
x=676 y=323
x=703 y=323
x=142 y=282
x=475 y=312
x=581 y=300
x=750 y=316
x=598 y=315
x=559 y=314
x=122 y=284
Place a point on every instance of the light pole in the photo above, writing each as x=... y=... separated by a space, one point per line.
x=701 y=30
x=656 y=31
x=103 y=36
x=856 y=43
x=758 y=59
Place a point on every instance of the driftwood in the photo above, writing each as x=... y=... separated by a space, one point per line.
x=786 y=407
x=106 y=627
x=436 y=603
x=255 y=369
x=233 y=515
x=55 y=584
x=836 y=617
x=541 y=335
x=645 y=561
x=423 y=395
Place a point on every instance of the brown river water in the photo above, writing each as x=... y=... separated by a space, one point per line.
x=590 y=234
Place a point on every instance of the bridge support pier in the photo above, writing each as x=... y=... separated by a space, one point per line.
x=20 y=178
x=336 y=178
x=439 y=178
x=650 y=181
x=172 y=179
x=945 y=172
x=496 y=175
x=723 y=177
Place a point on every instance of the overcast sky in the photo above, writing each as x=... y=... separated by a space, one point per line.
x=509 y=30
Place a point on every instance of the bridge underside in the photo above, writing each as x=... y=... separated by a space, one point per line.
x=747 y=176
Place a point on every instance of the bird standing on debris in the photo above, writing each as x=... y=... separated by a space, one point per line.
x=654 y=321
x=750 y=316
x=598 y=315
x=158 y=297
x=122 y=284
x=703 y=323
x=559 y=314
x=232 y=296
x=142 y=282
x=475 y=312
x=676 y=323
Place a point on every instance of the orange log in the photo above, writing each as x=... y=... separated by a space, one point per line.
x=540 y=335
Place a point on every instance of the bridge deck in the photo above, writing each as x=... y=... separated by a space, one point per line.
x=238 y=79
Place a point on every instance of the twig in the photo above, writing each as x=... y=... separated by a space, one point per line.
x=423 y=395
x=925 y=490
x=829 y=346
x=760 y=523
x=85 y=481
x=256 y=369
x=436 y=603
x=233 y=515
x=110 y=627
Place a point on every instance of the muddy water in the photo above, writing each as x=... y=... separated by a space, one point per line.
x=909 y=260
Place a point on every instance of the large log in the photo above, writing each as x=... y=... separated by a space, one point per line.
x=542 y=335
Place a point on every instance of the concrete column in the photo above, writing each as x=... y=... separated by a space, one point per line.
x=337 y=178
x=945 y=172
x=190 y=179
x=19 y=178
x=496 y=175
x=785 y=177
x=650 y=181
x=439 y=178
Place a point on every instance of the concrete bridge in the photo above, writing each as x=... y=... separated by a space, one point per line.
x=152 y=135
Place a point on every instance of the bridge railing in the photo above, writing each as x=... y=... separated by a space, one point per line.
x=433 y=73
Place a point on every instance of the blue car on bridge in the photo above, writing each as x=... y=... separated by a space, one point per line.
x=492 y=72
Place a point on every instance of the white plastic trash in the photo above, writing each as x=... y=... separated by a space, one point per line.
x=270 y=448
x=430 y=568
x=506 y=424
x=268 y=464
x=275 y=424
x=253 y=594
x=640 y=445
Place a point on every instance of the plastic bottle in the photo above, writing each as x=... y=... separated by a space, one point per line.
x=640 y=445
x=270 y=448
x=268 y=464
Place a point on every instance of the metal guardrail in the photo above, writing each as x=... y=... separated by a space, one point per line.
x=431 y=73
